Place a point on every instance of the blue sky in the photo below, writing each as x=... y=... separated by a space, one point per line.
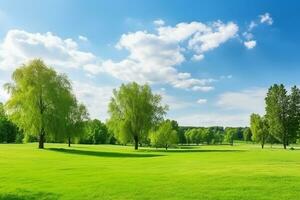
x=212 y=61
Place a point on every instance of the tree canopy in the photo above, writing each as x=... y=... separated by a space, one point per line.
x=40 y=100
x=133 y=111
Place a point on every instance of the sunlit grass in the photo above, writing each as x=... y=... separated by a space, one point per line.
x=243 y=171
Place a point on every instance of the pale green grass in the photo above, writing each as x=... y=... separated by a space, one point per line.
x=117 y=172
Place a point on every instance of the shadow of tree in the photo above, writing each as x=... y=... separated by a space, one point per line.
x=102 y=153
x=192 y=150
x=29 y=196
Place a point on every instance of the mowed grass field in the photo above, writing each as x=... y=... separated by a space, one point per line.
x=118 y=172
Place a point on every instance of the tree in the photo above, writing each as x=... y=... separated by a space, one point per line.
x=134 y=110
x=277 y=114
x=247 y=134
x=230 y=135
x=96 y=132
x=37 y=103
x=75 y=121
x=259 y=129
x=9 y=133
x=293 y=111
x=165 y=136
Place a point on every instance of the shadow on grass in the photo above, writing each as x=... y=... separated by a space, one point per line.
x=29 y=196
x=101 y=153
x=192 y=150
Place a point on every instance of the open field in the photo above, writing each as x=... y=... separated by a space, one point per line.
x=117 y=172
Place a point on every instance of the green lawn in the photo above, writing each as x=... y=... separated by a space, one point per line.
x=116 y=172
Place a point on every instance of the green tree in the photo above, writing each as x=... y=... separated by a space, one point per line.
x=247 y=134
x=96 y=132
x=165 y=136
x=259 y=129
x=37 y=103
x=134 y=110
x=9 y=133
x=293 y=110
x=230 y=134
x=75 y=120
x=277 y=113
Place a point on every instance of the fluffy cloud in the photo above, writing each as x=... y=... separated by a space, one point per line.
x=250 y=101
x=153 y=57
x=250 y=44
x=266 y=18
x=20 y=46
x=83 y=38
x=202 y=101
x=159 y=22
x=94 y=97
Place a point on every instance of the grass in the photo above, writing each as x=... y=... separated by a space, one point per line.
x=118 y=172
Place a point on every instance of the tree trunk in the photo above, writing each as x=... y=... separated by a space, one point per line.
x=262 y=145
x=166 y=147
x=69 y=141
x=284 y=145
x=136 y=143
x=41 y=140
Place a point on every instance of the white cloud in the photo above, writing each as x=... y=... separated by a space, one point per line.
x=250 y=101
x=83 y=38
x=20 y=46
x=202 y=101
x=266 y=18
x=252 y=25
x=198 y=57
x=159 y=22
x=153 y=57
x=219 y=33
x=94 y=97
x=250 y=44
x=3 y=94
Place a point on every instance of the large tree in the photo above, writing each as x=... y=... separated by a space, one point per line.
x=39 y=100
x=259 y=129
x=277 y=113
x=133 y=110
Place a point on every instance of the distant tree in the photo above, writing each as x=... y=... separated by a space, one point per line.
x=75 y=120
x=230 y=135
x=9 y=132
x=165 y=136
x=96 y=132
x=277 y=114
x=259 y=129
x=134 y=110
x=37 y=100
x=247 y=134
x=293 y=111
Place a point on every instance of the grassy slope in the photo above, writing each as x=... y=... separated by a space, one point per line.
x=114 y=172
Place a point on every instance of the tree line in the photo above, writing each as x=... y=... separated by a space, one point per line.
x=42 y=107
x=281 y=123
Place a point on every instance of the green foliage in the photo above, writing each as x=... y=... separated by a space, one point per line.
x=247 y=134
x=9 y=132
x=96 y=132
x=134 y=110
x=283 y=113
x=230 y=134
x=165 y=136
x=259 y=129
x=39 y=100
x=75 y=120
